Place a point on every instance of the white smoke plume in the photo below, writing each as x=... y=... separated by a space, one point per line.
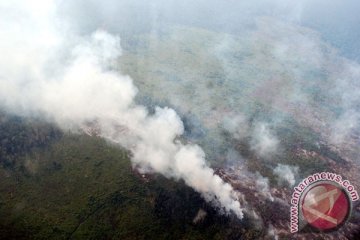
x=237 y=125
x=286 y=174
x=272 y=233
x=263 y=141
x=262 y=185
x=48 y=71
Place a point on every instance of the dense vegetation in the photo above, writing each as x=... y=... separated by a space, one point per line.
x=67 y=186
x=19 y=136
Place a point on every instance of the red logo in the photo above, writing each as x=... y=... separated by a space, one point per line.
x=325 y=206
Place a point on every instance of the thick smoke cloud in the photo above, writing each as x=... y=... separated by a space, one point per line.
x=48 y=71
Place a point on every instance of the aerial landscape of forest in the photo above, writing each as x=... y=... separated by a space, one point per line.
x=177 y=119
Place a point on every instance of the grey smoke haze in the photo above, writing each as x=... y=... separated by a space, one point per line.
x=272 y=232
x=85 y=89
x=287 y=42
x=286 y=174
x=262 y=140
x=237 y=125
x=336 y=20
x=262 y=186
